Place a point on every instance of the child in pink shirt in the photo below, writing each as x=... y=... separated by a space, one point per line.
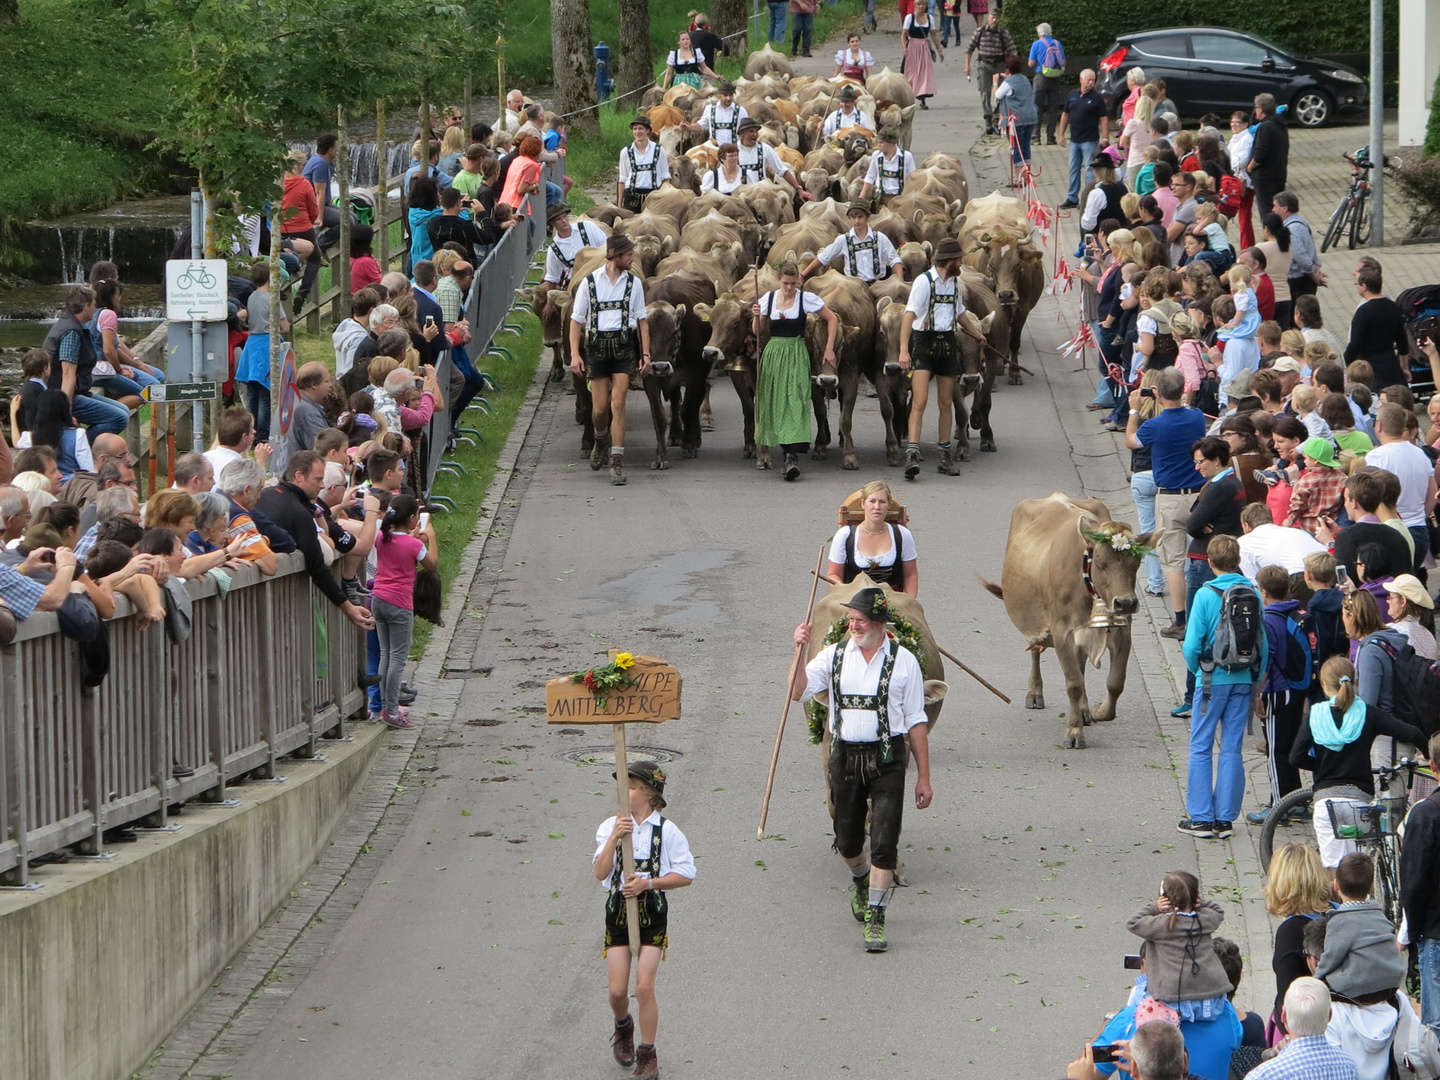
x=406 y=543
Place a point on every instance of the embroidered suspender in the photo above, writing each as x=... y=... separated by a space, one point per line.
x=636 y=168
x=950 y=300
x=569 y=264
x=652 y=903
x=758 y=168
x=854 y=247
x=717 y=125
x=597 y=305
x=898 y=175
x=878 y=702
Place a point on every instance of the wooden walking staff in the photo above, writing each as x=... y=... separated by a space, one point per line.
x=785 y=712
x=653 y=699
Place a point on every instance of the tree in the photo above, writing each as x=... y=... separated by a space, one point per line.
x=731 y=17
x=636 y=70
x=9 y=11
x=572 y=64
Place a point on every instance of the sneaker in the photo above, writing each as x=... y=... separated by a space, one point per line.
x=912 y=464
x=1203 y=829
x=1224 y=830
x=875 y=930
x=375 y=716
x=860 y=897
x=1183 y=710
x=1068 y=204
x=622 y=1043
x=1258 y=817
x=395 y=720
x=408 y=694
x=354 y=590
x=646 y=1064
x=1175 y=631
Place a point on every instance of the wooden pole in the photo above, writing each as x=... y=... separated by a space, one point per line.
x=972 y=673
x=382 y=189
x=785 y=712
x=469 y=98
x=154 y=444
x=277 y=312
x=627 y=851
x=340 y=311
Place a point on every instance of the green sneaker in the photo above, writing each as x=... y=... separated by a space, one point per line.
x=875 y=930
x=860 y=897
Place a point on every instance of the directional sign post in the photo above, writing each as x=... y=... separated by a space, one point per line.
x=197 y=292
x=169 y=393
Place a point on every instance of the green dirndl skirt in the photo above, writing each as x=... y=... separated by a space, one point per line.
x=782 y=393
x=689 y=78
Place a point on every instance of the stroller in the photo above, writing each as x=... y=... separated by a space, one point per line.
x=1421 y=308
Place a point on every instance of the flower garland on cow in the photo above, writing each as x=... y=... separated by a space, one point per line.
x=1118 y=540
x=899 y=630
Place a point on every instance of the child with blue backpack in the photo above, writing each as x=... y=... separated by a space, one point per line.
x=1285 y=682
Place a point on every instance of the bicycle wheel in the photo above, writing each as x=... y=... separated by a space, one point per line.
x=1360 y=221
x=1337 y=223
x=1387 y=876
x=1300 y=832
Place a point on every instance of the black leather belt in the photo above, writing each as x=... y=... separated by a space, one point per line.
x=1178 y=491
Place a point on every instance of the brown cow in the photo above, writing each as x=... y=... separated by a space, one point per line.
x=1057 y=577
x=731 y=349
x=699 y=234
x=799 y=241
x=1016 y=266
x=892 y=387
x=899 y=230
x=608 y=213
x=772 y=203
x=655 y=236
x=672 y=200
x=721 y=264
x=765 y=61
x=828 y=210
x=678 y=336
x=731 y=207
x=980 y=364
x=849 y=298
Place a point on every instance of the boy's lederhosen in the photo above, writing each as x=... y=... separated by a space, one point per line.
x=937 y=351
x=867 y=778
x=654 y=908
x=854 y=247
x=609 y=352
x=635 y=196
x=898 y=175
x=755 y=172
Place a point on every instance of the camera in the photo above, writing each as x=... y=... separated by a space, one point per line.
x=1147 y=392
x=1132 y=962
x=1104 y=1054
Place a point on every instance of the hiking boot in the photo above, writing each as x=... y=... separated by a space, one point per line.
x=646 y=1063
x=875 y=929
x=622 y=1043
x=792 y=467
x=1224 y=830
x=860 y=898
x=617 y=470
x=1203 y=829
x=947 y=466
x=1175 y=631
x=912 y=464
x=599 y=456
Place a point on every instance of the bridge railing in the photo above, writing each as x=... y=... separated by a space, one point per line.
x=268 y=669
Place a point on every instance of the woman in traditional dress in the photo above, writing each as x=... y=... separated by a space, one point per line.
x=853 y=62
x=686 y=64
x=725 y=177
x=882 y=550
x=782 y=394
x=920 y=34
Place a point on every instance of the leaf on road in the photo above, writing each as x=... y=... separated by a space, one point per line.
x=557 y=836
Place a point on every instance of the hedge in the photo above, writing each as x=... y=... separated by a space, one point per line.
x=1316 y=27
x=1432 y=126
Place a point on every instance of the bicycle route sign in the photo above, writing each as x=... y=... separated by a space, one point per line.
x=196 y=289
x=170 y=393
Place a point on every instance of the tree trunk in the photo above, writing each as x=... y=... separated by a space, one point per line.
x=731 y=17
x=9 y=11
x=636 y=69
x=340 y=310
x=382 y=189
x=573 y=64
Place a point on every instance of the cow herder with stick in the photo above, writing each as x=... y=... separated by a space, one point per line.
x=876 y=698
x=662 y=862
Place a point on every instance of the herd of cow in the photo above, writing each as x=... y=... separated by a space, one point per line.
x=705 y=258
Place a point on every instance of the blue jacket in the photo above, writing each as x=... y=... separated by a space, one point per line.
x=1200 y=631
x=1375 y=671
x=1277 y=638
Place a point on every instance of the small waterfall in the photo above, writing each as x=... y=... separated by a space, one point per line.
x=80 y=248
x=363 y=156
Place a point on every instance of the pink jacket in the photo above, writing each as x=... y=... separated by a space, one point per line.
x=803 y=7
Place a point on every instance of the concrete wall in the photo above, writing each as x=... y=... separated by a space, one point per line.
x=1419 y=62
x=100 y=965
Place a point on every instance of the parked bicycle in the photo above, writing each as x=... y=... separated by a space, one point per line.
x=1374 y=827
x=1353 y=213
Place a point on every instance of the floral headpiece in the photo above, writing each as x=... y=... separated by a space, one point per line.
x=1118 y=540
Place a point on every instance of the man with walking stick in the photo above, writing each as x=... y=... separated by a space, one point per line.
x=876 y=698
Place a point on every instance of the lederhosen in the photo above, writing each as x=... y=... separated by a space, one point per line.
x=727 y=127
x=654 y=909
x=569 y=264
x=635 y=196
x=854 y=247
x=752 y=174
x=897 y=174
x=881 y=575
x=937 y=351
x=867 y=778
x=610 y=350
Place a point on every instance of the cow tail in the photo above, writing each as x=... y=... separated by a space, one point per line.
x=990 y=586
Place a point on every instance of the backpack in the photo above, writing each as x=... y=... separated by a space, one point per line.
x=1414 y=1046
x=1231 y=190
x=1240 y=631
x=1054 y=62
x=1417 y=687
x=1299 y=660
x=1320 y=651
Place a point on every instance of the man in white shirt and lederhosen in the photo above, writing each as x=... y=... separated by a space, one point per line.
x=643 y=167
x=936 y=309
x=609 y=306
x=847 y=115
x=865 y=253
x=569 y=239
x=876 y=707
x=889 y=168
x=720 y=119
x=759 y=160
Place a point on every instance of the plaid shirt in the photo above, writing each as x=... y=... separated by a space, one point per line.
x=450 y=298
x=1319 y=491
x=87 y=541
x=991 y=44
x=19 y=592
x=1309 y=1057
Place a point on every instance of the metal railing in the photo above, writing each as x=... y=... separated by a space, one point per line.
x=268 y=670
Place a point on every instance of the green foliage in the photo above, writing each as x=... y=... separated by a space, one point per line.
x=1419 y=181
x=1320 y=26
x=1432 y=126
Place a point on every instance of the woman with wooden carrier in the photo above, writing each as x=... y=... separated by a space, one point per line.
x=872 y=539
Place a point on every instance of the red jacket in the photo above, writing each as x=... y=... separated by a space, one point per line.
x=299 y=210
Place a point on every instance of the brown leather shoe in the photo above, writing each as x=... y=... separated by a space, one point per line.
x=646 y=1063
x=1175 y=631
x=622 y=1043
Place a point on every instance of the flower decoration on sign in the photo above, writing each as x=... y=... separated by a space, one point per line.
x=602 y=681
x=1118 y=540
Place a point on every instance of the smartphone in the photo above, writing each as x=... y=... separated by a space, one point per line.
x=1132 y=962
x=1147 y=392
x=429 y=320
x=1342 y=577
x=1104 y=1054
x=424 y=521
x=419 y=383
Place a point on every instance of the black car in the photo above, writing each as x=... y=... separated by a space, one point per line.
x=1211 y=70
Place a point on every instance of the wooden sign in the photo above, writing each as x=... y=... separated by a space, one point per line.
x=654 y=699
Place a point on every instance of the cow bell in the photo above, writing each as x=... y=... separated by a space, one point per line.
x=1102 y=618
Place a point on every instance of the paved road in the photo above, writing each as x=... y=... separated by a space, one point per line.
x=475 y=950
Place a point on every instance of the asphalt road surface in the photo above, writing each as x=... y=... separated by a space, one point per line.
x=476 y=951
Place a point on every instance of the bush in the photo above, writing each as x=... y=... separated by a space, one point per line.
x=1321 y=26
x=1432 y=126
x=1418 y=179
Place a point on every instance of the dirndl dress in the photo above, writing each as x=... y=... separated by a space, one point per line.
x=689 y=74
x=782 y=391
x=919 y=66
